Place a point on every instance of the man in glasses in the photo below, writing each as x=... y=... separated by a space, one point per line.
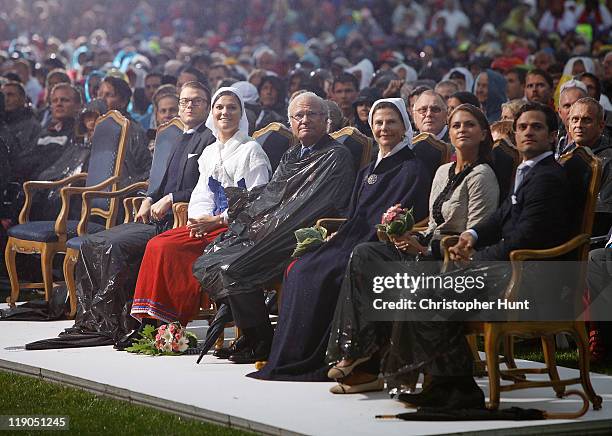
x=314 y=180
x=109 y=262
x=430 y=114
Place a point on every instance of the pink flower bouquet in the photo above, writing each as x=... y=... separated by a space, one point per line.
x=395 y=222
x=169 y=339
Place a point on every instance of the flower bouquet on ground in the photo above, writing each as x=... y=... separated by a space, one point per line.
x=168 y=340
x=395 y=222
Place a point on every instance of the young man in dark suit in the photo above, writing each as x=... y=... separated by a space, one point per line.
x=533 y=216
x=108 y=266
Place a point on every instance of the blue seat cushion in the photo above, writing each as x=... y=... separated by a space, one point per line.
x=43 y=231
x=75 y=243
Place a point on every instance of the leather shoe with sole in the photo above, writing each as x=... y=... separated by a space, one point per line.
x=252 y=354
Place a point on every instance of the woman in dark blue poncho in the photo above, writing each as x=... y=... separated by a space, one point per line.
x=312 y=283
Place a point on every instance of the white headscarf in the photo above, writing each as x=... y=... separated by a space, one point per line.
x=469 y=78
x=411 y=74
x=589 y=66
x=401 y=107
x=243 y=126
x=248 y=91
x=366 y=68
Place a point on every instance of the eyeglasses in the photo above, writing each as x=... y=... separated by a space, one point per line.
x=301 y=115
x=433 y=109
x=195 y=102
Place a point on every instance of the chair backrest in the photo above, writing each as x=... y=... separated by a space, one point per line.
x=431 y=151
x=275 y=139
x=168 y=135
x=107 y=151
x=583 y=171
x=358 y=144
x=505 y=158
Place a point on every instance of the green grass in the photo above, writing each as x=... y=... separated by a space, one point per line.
x=93 y=414
x=532 y=350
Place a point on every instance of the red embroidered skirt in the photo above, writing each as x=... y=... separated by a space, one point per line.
x=166 y=288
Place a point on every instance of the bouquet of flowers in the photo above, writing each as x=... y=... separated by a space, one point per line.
x=395 y=222
x=168 y=340
x=308 y=239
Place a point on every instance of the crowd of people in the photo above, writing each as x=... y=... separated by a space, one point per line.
x=537 y=75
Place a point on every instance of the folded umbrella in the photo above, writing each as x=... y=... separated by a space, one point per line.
x=215 y=327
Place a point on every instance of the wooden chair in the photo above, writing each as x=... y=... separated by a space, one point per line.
x=359 y=145
x=433 y=153
x=584 y=173
x=505 y=158
x=168 y=135
x=275 y=139
x=207 y=309
x=48 y=238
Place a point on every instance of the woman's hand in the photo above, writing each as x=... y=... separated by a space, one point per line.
x=408 y=244
x=200 y=227
x=331 y=235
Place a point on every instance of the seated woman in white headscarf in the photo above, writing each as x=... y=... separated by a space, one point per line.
x=166 y=289
x=463 y=194
x=312 y=283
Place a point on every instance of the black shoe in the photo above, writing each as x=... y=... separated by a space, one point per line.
x=128 y=340
x=259 y=352
x=448 y=393
x=236 y=346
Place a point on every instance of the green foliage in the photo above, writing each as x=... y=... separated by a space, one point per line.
x=94 y=415
x=402 y=223
x=309 y=239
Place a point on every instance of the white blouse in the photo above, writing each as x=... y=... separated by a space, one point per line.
x=241 y=157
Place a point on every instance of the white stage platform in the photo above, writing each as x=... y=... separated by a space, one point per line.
x=218 y=392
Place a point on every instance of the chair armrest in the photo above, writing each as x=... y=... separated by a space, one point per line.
x=331 y=224
x=179 y=210
x=89 y=195
x=69 y=191
x=446 y=243
x=421 y=226
x=131 y=206
x=599 y=239
x=518 y=256
x=560 y=250
x=33 y=185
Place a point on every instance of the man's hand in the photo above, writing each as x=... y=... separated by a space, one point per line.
x=144 y=211
x=159 y=209
x=199 y=227
x=393 y=89
x=464 y=248
x=408 y=244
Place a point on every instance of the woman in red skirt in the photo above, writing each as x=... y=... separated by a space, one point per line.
x=166 y=289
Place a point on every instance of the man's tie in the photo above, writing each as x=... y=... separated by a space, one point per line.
x=521 y=172
x=305 y=152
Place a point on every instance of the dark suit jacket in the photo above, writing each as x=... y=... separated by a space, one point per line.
x=188 y=178
x=538 y=220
